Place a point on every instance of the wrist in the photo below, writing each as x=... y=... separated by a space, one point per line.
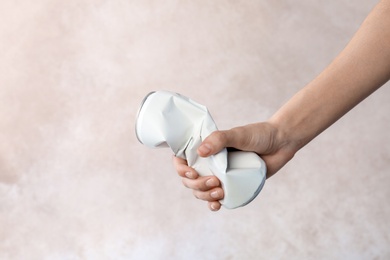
x=284 y=139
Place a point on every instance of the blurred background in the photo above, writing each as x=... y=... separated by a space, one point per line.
x=76 y=184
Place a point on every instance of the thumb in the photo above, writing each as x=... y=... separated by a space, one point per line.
x=215 y=142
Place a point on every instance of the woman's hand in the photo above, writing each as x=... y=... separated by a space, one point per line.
x=360 y=69
x=262 y=138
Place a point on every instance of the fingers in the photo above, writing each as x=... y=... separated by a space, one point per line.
x=183 y=169
x=214 y=205
x=206 y=188
x=211 y=195
x=218 y=140
x=213 y=143
x=205 y=183
x=259 y=138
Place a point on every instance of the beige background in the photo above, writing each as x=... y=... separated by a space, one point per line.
x=76 y=184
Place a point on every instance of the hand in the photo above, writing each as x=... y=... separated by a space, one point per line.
x=265 y=139
x=205 y=188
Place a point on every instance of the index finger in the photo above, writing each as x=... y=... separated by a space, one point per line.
x=183 y=169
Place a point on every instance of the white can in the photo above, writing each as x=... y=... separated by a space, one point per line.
x=167 y=119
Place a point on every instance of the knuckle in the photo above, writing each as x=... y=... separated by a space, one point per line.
x=221 y=137
x=184 y=181
x=198 y=184
x=180 y=170
x=193 y=184
x=196 y=194
x=180 y=173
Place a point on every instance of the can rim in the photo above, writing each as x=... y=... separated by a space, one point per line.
x=138 y=113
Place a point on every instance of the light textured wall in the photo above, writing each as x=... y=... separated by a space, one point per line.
x=76 y=184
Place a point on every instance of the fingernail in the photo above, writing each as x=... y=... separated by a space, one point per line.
x=211 y=182
x=214 y=194
x=213 y=206
x=205 y=149
x=189 y=175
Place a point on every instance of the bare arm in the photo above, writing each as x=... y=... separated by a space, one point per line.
x=361 y=68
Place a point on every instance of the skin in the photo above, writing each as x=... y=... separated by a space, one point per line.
x=360 y=69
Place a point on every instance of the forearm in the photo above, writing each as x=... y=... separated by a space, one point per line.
x=361 y=68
